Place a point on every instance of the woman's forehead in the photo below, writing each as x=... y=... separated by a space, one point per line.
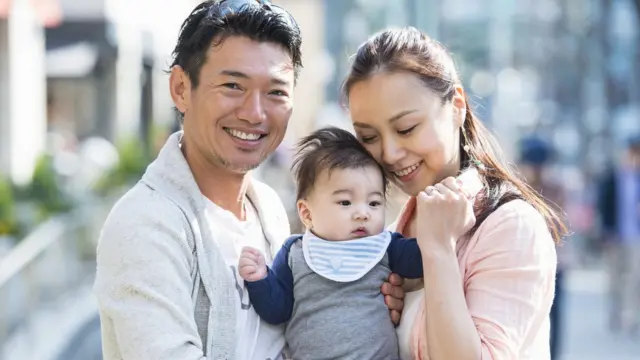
x=388 y=99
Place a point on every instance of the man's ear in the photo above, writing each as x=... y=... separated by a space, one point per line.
x=304 y=213
x=180 y=88
x=459 y=102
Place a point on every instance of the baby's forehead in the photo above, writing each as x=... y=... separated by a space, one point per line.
x=362 y=179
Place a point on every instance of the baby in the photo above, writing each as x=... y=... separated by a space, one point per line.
x=326 y=283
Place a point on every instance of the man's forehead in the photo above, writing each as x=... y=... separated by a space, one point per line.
x=252 y=58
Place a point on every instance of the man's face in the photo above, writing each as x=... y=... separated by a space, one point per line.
x=635 y=157
x=631 y=158
x=239 y=112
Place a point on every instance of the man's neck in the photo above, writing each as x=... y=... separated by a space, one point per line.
x=222 y=187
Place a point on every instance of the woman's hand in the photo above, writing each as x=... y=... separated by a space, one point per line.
x=444 y=213
x=394 y=296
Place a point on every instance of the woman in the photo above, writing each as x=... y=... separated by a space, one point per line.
x=489 y=264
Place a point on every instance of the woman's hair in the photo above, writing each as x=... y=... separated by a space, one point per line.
x=410 y=51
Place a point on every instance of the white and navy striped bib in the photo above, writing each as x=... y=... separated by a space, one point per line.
x=344 y=261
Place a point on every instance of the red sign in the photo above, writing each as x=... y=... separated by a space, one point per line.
x=48 y=11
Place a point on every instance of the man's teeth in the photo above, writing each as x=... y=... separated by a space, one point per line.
x=243 y=135
x=407 y=171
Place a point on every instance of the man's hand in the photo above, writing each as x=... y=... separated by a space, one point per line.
x=394 y=296
x=252 y=265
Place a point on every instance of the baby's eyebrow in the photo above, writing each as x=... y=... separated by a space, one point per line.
x=342 y=191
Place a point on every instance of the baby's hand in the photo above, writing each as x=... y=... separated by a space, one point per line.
x=252 y=266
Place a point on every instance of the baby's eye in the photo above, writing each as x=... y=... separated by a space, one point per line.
x=375 y=203
x=344 y=202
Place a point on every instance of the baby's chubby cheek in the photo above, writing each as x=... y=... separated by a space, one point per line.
x=379 y=225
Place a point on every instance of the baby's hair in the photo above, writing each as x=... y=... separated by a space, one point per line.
x=327 y=149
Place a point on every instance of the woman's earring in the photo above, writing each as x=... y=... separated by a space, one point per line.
x=477 y=163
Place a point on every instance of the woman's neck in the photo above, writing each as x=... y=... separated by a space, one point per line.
x=410 y=226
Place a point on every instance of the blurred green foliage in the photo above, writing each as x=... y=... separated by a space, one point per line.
x=8 y=216
x=134 y=158
x=45 y=191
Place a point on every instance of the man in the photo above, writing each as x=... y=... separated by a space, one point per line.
x=536 y=156
x=167 y=283
x=619 y=208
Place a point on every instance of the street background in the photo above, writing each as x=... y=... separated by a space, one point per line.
x=84 y=107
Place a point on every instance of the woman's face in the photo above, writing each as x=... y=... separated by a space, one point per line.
x=408 y=128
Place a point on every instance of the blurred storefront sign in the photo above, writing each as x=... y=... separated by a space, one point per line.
x=48 y=12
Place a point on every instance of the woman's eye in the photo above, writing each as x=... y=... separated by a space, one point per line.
x=407 y=131
x=367 y=139
x=344 y=202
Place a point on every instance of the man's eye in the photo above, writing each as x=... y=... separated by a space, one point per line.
x=233 y=86
x=278 y=93
x=344 y=202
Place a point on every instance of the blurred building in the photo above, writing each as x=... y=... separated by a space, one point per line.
x=23 y=83
x=82 y=68
x=106 y=63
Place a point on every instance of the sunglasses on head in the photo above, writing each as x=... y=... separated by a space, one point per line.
x=228 y=7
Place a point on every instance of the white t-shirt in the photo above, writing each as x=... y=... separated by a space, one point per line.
x=257 y=340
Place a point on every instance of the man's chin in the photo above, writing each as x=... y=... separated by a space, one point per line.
x=243 y=167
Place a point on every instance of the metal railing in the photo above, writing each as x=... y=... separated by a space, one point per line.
x=43 y=271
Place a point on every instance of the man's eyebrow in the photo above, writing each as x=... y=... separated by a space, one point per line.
x=240 y=74
x=235 y=73
x=279 y=81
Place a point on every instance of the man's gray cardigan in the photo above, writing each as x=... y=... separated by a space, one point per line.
x=163 y=289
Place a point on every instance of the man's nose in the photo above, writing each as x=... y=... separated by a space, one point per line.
x=252 y=109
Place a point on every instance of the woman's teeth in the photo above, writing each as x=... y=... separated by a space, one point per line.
x=407 y=171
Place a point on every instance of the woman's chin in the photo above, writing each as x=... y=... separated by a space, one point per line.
x=410 y=189
x=416 y=181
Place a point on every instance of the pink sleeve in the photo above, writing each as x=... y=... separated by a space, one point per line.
x=509 y=282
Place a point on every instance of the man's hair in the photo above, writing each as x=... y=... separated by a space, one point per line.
x=215 y=20
x=328 y=149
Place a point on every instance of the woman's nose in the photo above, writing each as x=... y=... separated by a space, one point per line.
x=391 y=152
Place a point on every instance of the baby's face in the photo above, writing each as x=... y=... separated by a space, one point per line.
x=345 y=204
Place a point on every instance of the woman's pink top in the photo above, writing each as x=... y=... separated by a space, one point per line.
x=508 y=271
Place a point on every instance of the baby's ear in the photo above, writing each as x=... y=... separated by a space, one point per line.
x=304 y=213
